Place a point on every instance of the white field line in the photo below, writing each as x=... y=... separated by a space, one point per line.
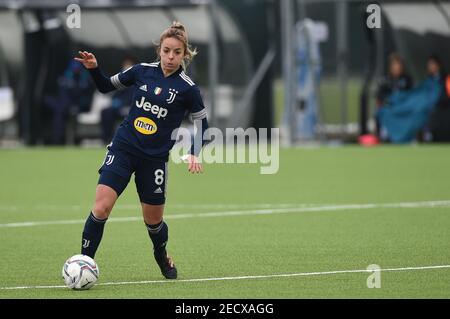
x=130 y=219
x=272 y=211
x=138 y=207
x=304 y=274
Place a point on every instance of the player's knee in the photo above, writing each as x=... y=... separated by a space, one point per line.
x=153 y=214
x=102 y=210
x=152 y=220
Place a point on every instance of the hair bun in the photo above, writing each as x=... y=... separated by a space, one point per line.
x=177 y=25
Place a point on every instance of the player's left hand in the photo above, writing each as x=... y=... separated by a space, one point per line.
x=193 y=164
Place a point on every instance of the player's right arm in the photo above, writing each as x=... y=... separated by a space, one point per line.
x=105 y=84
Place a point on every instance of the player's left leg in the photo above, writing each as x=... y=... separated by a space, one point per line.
x=159 y=235
x=151 y=181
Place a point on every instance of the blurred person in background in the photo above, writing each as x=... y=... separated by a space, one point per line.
x=397 y=79
x=120 y=105
x=162 y=95
x=74 y=95
x=405 y=113
x=436 y=70
x=438 y=125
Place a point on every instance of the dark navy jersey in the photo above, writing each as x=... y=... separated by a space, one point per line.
x=158 y=107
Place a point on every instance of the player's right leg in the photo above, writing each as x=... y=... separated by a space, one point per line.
x=115 y=174
x=105 y=198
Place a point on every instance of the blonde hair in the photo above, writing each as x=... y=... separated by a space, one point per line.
x=178 y=31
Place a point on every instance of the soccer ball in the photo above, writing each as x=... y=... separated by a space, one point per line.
x=80 y=272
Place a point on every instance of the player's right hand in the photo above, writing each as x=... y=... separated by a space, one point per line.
x=87 y=59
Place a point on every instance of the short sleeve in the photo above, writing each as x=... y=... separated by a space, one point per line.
x=196 y=106
x=125 y=78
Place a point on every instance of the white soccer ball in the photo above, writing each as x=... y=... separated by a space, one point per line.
x=80 y=272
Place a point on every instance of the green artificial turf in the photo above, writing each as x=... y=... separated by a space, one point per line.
x=307 y=220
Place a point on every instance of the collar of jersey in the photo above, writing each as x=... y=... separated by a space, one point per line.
x=180 y=69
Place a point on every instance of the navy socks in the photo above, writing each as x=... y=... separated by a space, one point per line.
x=93 y=232
x=92 y=235
x=159 y=234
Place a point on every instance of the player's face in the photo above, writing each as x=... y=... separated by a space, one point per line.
x=172 y=54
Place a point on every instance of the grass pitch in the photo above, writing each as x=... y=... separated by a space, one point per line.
x=309 y=231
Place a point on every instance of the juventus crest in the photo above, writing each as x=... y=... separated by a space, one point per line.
x=173 y=93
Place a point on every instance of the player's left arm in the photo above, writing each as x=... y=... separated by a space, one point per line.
x=198 y=114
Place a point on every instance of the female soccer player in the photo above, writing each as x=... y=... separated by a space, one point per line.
x=163 y=93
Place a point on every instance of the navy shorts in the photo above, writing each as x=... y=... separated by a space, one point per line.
x=150 y=176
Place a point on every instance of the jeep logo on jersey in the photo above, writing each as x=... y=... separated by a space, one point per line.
x=145 y=126
x=155 y=109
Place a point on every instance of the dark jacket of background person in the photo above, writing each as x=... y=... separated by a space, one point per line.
x=75 y=88
x=74 y=95
x=389 y=84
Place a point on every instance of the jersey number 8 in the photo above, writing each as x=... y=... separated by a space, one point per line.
x=159 y=177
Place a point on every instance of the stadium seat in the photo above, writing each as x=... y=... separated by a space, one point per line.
x=93 y=117
x=87 y=125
